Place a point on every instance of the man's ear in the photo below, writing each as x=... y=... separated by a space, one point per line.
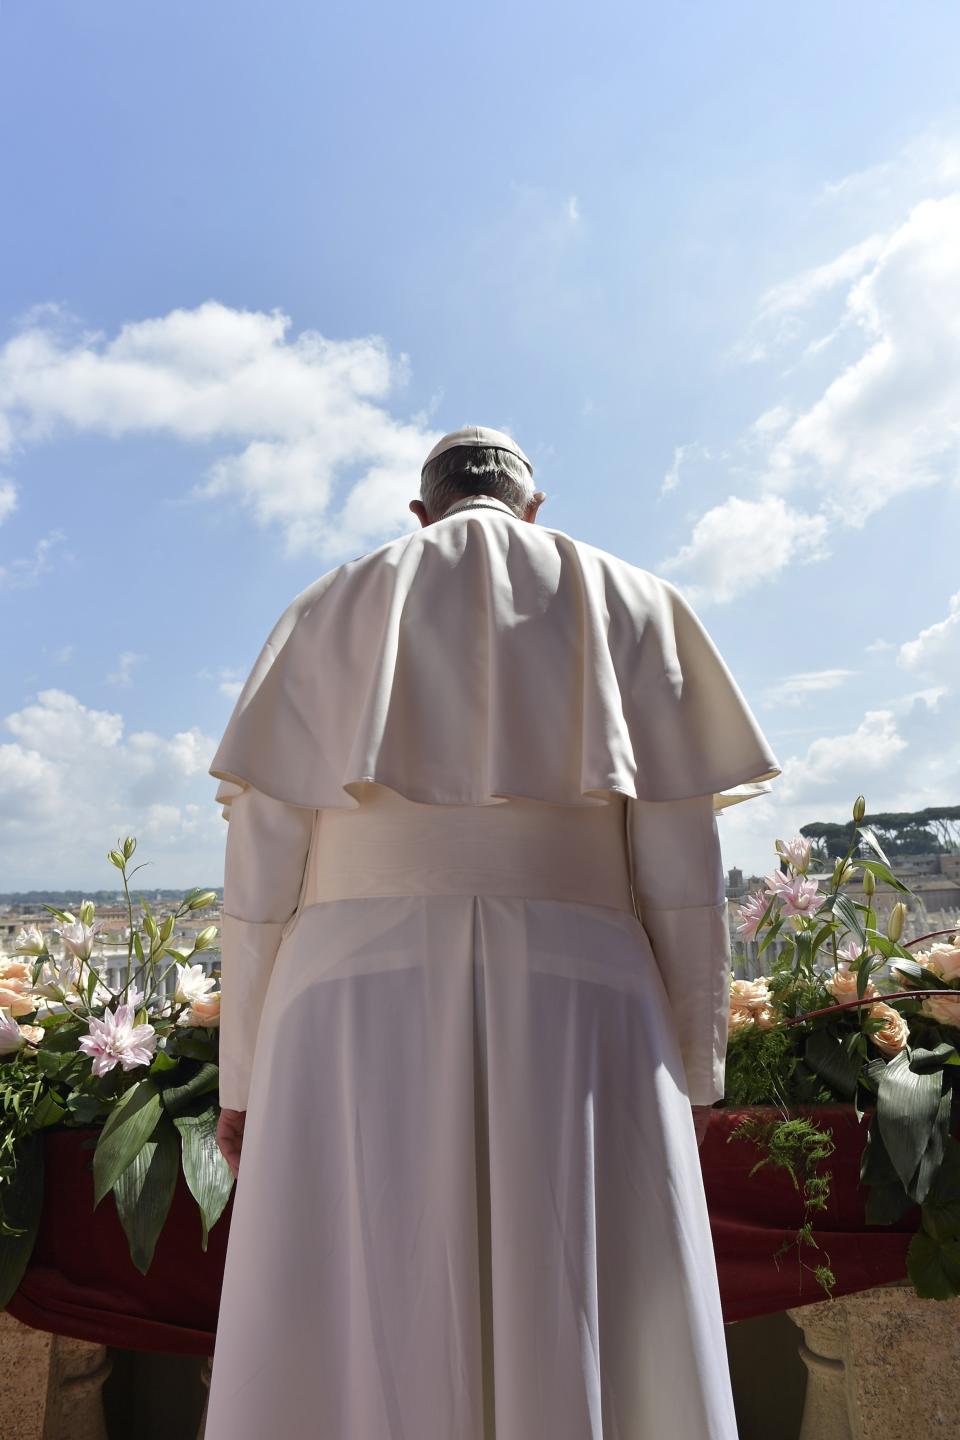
x=536 y=501
x=420 y=510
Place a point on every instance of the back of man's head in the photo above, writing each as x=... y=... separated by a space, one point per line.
x=465 y=470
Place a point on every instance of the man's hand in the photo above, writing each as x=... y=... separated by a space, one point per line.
x=701 y=1119
x=230 y=1137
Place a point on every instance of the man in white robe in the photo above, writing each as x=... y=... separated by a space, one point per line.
x=475 y=974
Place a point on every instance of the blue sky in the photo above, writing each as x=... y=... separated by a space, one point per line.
x=702 y=261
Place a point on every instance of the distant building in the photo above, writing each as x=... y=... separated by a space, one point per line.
x=934 y=904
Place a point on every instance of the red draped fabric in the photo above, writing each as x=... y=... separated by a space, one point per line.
x=81 y=1281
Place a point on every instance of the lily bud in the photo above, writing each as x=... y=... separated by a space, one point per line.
x=129 y=845
x=869 y=883
x=87 y=912
x=895 y=924
x=166 y=929
x=199 y=901
x=150 y=925
x=859 y=808
x=117 y=859
x=843 y=871
x=205 y=937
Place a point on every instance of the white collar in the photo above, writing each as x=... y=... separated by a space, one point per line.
x=477 y=502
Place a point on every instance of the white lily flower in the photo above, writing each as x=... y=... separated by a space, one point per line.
x=29 y=941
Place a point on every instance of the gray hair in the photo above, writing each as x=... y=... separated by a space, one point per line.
x=475 y=470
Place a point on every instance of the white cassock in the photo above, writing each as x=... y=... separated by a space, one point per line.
x=475 y=969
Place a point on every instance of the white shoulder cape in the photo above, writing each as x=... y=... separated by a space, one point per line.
x=482 y=657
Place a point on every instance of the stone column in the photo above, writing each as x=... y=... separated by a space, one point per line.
x=882 y=1364
x=206 y=1369
x=78 y=1370
x=24 y=1375
x=50 y=1386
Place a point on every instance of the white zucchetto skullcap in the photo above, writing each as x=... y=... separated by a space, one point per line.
x=477 y=435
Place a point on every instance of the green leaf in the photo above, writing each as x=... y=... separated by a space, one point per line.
x=919 y=975
x=195 y=1046
x=922 y=1060
x=63 y=1039
x=177 y=1099
x=144 y=1190
x=883 y=872
x=887 y=1200
x=907 y=1112
x=825 y=1053
x=48 y=1112
x=128 y=1127
x=771 y=934
x=934 y=1266
x=63 y=915
x=932 y=1157
x=873 y=842
x=84 y=1108
x=23 y=1206
x=51 y=1062
x=820 y=935
x=163 y=1061
x=941 y=1209
x=847 y=911
x=207 y=1173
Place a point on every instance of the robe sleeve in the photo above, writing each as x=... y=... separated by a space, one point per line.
x=267 y=845
x=678 y=881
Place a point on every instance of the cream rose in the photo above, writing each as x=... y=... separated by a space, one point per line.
x=943 y=959
x=751 y=1004
x=749 y=994
x=943 y=1008
x=764 y=1017
x=842 y=984
x=205 y=1010
x=16 y=995
x=13 y=969
x=894 y=1033
x=740 y=1020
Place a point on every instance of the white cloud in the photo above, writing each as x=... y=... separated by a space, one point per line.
x=8 y=499
x=573 y=209
x=904 y=761
x=890 y=422
x=798 y=687
x=26 y=570
x=775 y=325
x=868 y=750
x=122 y=675
x=885 y=425
x=681 y=454
x=72 y=782
x=928 y=162
x=741 y=543
x=767 y=424
x=307 y=444
x=228 y=679
x=936 y=650
x=903 y=756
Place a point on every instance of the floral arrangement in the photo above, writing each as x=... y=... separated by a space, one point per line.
x=817 y=1030
x=138 y=1061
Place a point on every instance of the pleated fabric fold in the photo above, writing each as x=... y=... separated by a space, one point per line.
x=483 y=657
x=478 y=1210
